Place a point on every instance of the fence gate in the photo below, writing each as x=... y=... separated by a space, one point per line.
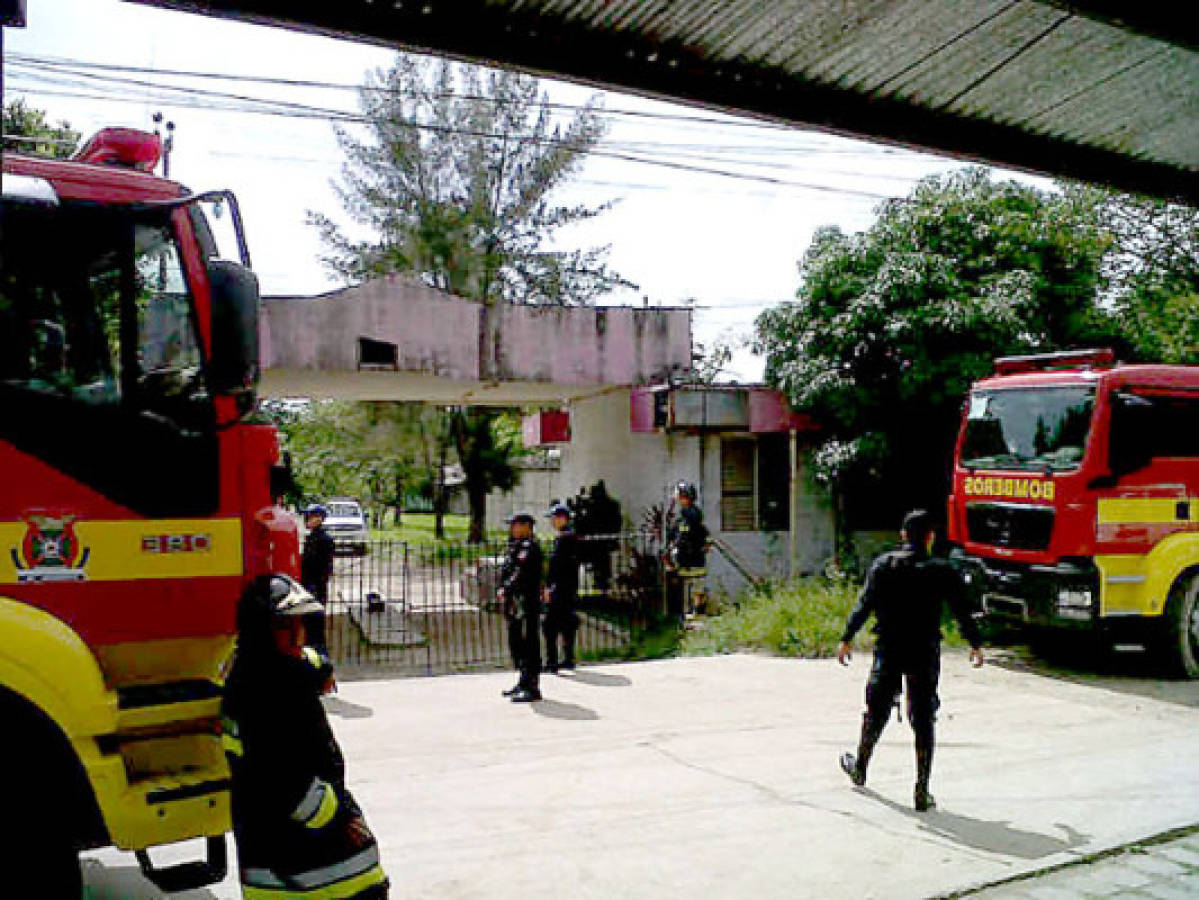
x=423 y=609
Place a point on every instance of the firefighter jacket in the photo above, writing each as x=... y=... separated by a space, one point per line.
x=316 y=563
x=299 y=832
x=520 y=576
x=562 y=575
x=907 y=590
x=687 y=539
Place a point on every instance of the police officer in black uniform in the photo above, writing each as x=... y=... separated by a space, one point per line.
x=520 y=594
x=316 y=568
x=905 y=590
x=561 y=592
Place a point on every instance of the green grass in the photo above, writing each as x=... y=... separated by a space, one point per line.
x=802 y=618
x=417 y=528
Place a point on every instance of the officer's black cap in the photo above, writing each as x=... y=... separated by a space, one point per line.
x=525 y=517
x=917 y=524
x=559 y=509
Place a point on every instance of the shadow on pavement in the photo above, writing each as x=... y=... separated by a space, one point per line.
x=556 y=709
x=598 y=679
x=347 y=710
x=983 y=834
x=107 y=882
x=1134 y=672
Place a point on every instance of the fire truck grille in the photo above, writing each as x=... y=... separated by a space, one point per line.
x=1017 y=526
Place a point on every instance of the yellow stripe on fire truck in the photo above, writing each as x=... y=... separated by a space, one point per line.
x=1147 y=510
x=67 y=549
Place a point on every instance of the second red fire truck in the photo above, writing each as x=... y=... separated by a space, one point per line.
x=1075 y=498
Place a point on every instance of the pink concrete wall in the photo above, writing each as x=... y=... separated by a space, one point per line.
x=441 y=335
x=769 y=411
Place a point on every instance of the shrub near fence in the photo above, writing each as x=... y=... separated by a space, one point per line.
x=423 y=609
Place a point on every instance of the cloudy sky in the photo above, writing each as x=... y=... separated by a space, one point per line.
x=726 y=238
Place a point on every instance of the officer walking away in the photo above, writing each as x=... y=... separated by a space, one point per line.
x=561 y=591
x=905 y=590
x=520 y=594
x=299 y=832
x=316 y=568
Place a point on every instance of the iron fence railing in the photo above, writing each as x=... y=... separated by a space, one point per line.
x=421 y=609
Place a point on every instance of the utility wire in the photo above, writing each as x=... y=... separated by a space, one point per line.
x=295 y=110
x=61 y=62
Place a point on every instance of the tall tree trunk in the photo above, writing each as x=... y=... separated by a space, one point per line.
x=476 y=493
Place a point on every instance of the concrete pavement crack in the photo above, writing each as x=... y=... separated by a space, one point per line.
x=777 y=797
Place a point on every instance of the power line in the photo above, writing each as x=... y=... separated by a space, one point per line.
x=289 y=109
x=61 y=62
x=71 y=74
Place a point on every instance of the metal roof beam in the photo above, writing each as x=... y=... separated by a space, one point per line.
x=1163 y=21
x=531 y=39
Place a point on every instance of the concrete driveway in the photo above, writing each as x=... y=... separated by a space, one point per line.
x=718 y=778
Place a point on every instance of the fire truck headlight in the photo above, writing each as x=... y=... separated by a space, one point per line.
x=1074 y=603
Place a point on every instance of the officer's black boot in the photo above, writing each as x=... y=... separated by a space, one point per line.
x=855 y=766
x=922 y=799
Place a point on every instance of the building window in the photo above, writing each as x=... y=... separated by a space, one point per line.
x=755 y=484
x=737 y=485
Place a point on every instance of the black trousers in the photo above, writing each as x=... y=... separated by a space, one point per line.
x=560 y=621
x=524 y=642
x=920 y=670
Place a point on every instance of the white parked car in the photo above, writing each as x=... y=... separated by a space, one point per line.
x=346 y=524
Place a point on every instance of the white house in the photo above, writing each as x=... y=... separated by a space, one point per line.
x=740 y=445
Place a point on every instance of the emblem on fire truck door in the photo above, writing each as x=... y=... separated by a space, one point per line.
x=50 y=551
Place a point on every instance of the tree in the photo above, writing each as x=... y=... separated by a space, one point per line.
x=891 y=326
x=487 y=451
x=1152 y=271
x=374 y=451
x=22 y=120
x=453 y=180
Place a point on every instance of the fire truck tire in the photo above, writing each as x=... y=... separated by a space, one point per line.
x=47 y=801
x=1181 y=628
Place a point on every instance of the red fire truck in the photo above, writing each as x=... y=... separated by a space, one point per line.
x=1076 y=498
x=136 y=504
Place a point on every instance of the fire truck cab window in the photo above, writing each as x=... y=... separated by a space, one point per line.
x=95 y=309
x=1032 y=428
x=101 y=374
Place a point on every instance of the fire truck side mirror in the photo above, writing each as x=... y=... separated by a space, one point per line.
x=233 y=367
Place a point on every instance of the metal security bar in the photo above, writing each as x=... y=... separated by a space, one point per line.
x=404 y=608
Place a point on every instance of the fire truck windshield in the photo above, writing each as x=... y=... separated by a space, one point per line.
x=1028 y=428
x=95 y=308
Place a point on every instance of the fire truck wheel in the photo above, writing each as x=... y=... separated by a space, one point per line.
x=1181 y=627
x=41 y=855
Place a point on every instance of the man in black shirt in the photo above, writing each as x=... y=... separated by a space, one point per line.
x=905 y=590
x=316 y=568
x=561 y=592
x=520 y=594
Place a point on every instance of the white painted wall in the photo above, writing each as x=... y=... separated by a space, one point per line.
x=533 y=493
x=640 y=470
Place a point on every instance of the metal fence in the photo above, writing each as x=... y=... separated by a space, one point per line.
x=422 y=609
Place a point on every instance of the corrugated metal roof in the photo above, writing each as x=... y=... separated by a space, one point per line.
x=1102 y=90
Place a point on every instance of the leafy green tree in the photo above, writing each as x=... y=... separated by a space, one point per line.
x=487 y=449
x=453 y=182
x=374 y=451
x=22 y=120
x=1152 y=271
x=892 y=325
